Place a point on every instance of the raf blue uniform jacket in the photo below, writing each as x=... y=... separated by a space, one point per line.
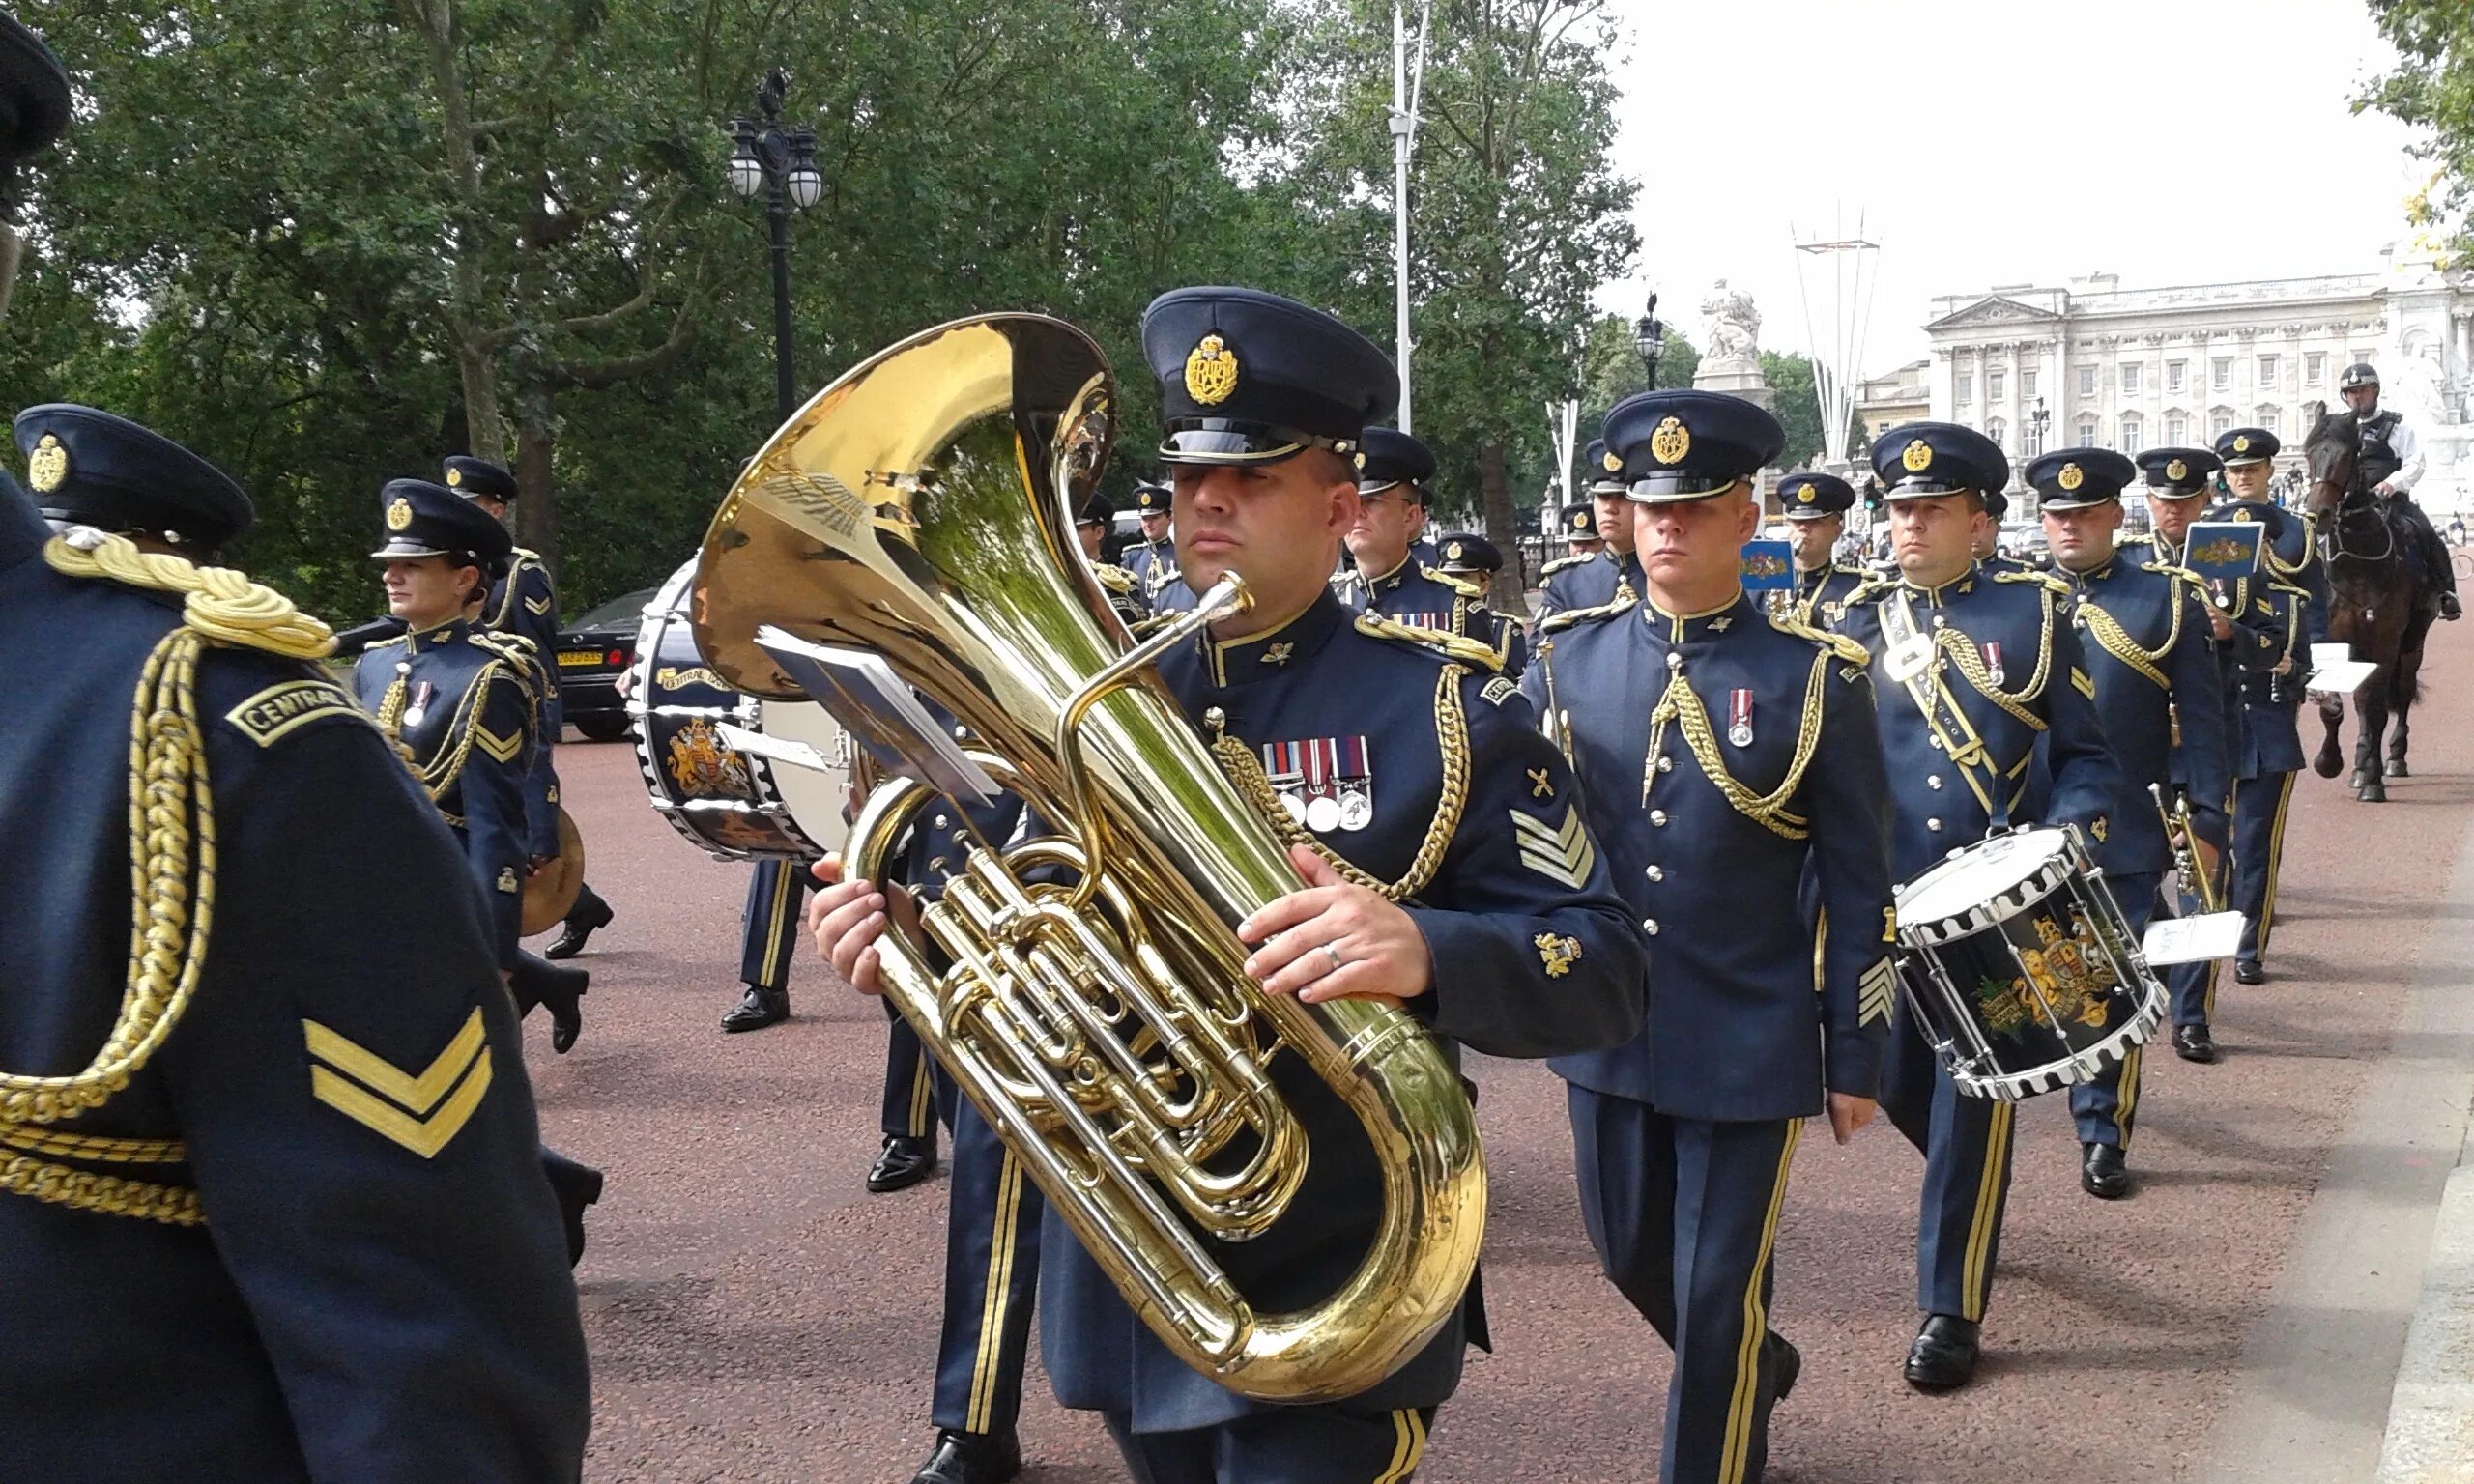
x=1154 y=566
x=1425 y=598
x=524 y=605
x=1969 y=763
x=1534 y=956
x=379 y=1291
x=2273 y=618
x=1821 y=594
x=2145 y=632
x=1708 y=839
x=1589 y=581
x=464 y=692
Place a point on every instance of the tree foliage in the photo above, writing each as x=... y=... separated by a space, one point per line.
x=2432 y=90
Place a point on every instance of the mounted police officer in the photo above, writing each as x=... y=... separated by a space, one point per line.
x=1429 y=780
x=2005 y=686
x=1389 y=578
x=1153 y=560
x=1815 y=507
x=1725 y=756
x=1613 y=572
x=2177 y=486
x=296 y=1226
x=2389 y=462
x=2144 y=627
x=2289 y=602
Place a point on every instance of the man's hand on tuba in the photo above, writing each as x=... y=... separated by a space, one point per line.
x=1335 y=940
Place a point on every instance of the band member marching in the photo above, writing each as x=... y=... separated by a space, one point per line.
x=1815 y=507
x=1389 y=578
x=1609 y=573
x=1992 y=675
x=1724 y=755
x=2144 y=630
x=1153 y=560
x=1427 y=783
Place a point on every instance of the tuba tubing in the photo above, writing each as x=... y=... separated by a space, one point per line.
x=1086 y=988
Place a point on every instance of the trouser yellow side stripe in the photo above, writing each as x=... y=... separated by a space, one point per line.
x=2276 y=858
x=999 y=1291
x=923 y=1094
x=1973 y=1280
x=1756 y=1326
x=1410 y=1430
x=2207 y=998
x=782 y=885
x=2129 y=1106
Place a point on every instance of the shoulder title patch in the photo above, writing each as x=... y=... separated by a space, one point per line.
x=1497 y=691
x=270 y=714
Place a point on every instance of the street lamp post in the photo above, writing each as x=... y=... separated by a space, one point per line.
x=1649 y=339
x=781 y=162
x=2037 y=420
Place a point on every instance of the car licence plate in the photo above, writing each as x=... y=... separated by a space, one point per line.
x=575 y=659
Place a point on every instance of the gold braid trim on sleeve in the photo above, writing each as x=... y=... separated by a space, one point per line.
x=1451 y=737
x=1682 y=705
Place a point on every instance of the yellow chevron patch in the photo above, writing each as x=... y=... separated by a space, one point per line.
x=416 y=1110
x=538 y=605
x=1876 y=991
x=2086 y=687
x=1564 y=855
x=504 y=748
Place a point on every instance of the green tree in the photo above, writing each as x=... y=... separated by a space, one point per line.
x=2432 y=89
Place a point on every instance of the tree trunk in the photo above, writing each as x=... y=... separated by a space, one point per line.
x=485 y=431
x=1510 y=594
x=536 y=518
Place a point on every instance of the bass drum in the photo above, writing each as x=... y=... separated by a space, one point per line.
x=733 y=804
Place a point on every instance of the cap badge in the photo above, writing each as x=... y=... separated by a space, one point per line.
x=2242 y=444
x=1917 y=458
x=49 y=464
x=1211 y=371
x=1670 y=441
x=2178 y=470
x=1451 y=553
x=2240 y=516
x=1803 y=493
x=399 y=515
x=2070 y=477
x=1613 y=461
x=454 y=478
x=1580 y=519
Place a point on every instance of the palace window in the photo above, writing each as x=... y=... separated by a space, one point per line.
x=2176 y=374
x=2267 y=371
x=2315 y=368
x=2270 y=416
x=2086 y=381
x=2086 y=433
x=1995 y=386
x=2219 y=373
x=2028 y=382
x=2177 y=430
x=2130 y=430
x=2220 y=422
x=1965 y=383
x=2130 y=378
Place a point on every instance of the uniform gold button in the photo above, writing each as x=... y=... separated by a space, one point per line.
x=1932 y=780
x=1654 y=874
x=1666 y=764
x=1658 y=817
x=1650 y=926
x=1935 y=825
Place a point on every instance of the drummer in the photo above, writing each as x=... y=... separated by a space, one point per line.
x=2144 y=628
x=1998 y=675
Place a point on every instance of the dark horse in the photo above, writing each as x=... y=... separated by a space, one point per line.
x=2379 y=603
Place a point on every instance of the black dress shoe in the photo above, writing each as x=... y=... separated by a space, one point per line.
x=2193 y=1044
x=2247 y=971
x=588 y=917
x=1942 y=1358
x=576 y=1187
x=555 y=986
x=1786 y=1363
x=971 y=1458
x=904 y=1163
x=2101 y=1171
x=757 y=1009
x=2449 y=607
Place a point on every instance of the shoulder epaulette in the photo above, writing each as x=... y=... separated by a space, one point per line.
x=2281 y=586
x=376 y=645
x=1468 y=651
x=1870 y=589
x=526 y=553
x=1558 y=622
x=2144 y=538
x=1839 y=645
x=2045 y=580
x=1850 y=570
x=1466 y=588
x=515 y=652
x=221 y=604
x=1113 y=578
x=2174 y=569
x=1566 y=564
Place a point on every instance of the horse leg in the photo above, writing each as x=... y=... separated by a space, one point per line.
x=2330 y=760
x=2405 y=687
x=2371 y=711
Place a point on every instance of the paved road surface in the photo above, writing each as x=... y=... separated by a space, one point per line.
x=755 y=1316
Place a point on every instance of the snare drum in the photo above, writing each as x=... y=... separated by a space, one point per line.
x=2020 y=966
x=731 y=805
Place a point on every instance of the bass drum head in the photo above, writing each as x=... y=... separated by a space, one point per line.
x=1984 y=883
x=714 y=796
x=815 y=800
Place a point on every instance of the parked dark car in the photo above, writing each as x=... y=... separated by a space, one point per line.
x=593 y=653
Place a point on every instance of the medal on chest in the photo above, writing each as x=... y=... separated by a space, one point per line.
x=1740 y=718
x=1993 y=662
x=419 y=707
x=1325 y=783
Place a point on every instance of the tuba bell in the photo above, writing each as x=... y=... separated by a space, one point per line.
x=1095 y=1007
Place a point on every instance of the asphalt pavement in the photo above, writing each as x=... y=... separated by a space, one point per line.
x=755 y=1315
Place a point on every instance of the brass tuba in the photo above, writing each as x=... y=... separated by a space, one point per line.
x=1097 y=1009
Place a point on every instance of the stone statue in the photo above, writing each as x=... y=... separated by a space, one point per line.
x=2422 y=390
x=1732 y=324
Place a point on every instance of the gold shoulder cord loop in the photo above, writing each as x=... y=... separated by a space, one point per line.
x=2116 y=640
x=1682 y=705
x=1451 y=737
x=172 y=864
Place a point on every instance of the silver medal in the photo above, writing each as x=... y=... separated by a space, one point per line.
x=1322 y=815
x=1741 y=735
x=1294 y=807
x=1357 y=810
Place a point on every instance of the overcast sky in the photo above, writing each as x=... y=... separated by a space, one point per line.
x=1999 y=142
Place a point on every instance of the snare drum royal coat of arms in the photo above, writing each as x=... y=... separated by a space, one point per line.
x=702 y=767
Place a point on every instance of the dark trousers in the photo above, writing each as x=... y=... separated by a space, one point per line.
x=1329 y=1444
x=910 y=1108
x=2258 y=848
x=1966 y=1142
x=769 y=926
x=1684 y=1213
x=2106 y=1108
x=2194 y=985
x=992 y=1274
x=2433 y=551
